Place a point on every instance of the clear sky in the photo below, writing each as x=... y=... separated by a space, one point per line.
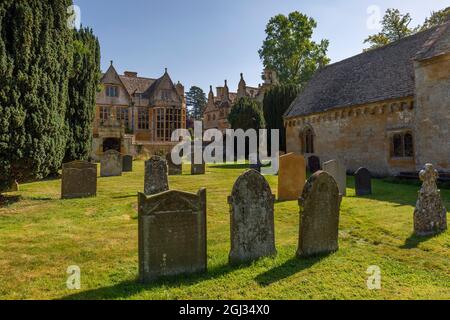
x=203 y=42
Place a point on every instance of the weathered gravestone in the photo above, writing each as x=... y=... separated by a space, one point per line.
x=291 y=177
x=338 y=171
x=79 y=180
x=174 y=169
x=363 y=182
x=319 y=216
x=127 y=163
x=172 y=234
x=313 y=164
x=430 y=216
x=197 y=169
x=111 y=164
x=156 y=179
x=252 y=218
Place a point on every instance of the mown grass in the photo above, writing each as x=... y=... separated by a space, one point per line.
x=41 y=235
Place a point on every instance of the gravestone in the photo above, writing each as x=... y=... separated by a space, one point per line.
x=338 y=171
x=430 y=215
x=319 y=216
x=363 y=182
x=111 y=164
x=127 y=163
x=197 y=169
x=156 y=179
x=291 y=177
x=313 y=164
x=79 y=180
x=252 y=218
x=172 y=234
x=174 y=169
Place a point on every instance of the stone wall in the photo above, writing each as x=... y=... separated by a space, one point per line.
x=432 y=128
x=358 y=136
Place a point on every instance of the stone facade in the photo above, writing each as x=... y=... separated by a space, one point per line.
x=136 y=115
x=386 y=109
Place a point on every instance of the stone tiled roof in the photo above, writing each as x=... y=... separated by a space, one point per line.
x=136 y=84
x=380 y=74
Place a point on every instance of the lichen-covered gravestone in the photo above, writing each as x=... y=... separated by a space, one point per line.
x=291 y=177
x=156 y=179
x=338 y=171
x=252 y=218
x=127 y=163
x=172 y=234
x=313 y=164
x=174 y=169
x=430 y=216
x=111 y=164
x=363 y=182
x=319 y=216
x=79 y=180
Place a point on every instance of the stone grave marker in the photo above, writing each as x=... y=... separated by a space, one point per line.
x=338 y=171
x=291 y=177
x=156 y=179
x=363 y=182
x=111 y=164
x=174 y=169
x=79 y=180
x=313 y=164
x=127 y=163
x=172 y=234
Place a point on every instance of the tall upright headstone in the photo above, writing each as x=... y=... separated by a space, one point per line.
x=172 y=234
x=127 y=163
x=252 y=218
x=156 y=179
x=339 y=173
x=363 y=182
x=291 y=177
x=430 y=215
x=79 y=180
x=313 y=164
x=319 y=216
x=174 y=169
x=111 y=164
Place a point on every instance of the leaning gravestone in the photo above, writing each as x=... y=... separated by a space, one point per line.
x=156 y=179
x=172 y=234
x=111 y=164
x=363 y=182
x=174 y=169
x=319 y=216
x=79 y=180
x=252 y=218
x=339 y=173
x=127 y=163
x=291 y=177
x=430 y=216
x=313 y=164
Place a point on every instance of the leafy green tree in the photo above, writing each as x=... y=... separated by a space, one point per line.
x=246 y=114
x=196 y=102
x=83 y=86
x=276 y=102
x=289 y=50
x=35 y=61
x=436 y=18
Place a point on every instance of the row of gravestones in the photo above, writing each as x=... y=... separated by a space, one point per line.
x=292 y=176
x=172 y=224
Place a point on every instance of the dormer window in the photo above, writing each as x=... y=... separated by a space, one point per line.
x=112 y=91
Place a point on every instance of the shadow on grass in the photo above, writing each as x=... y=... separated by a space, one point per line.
x=230 y=166
x=287 y=269
x=6 y=200
x=414 y=240
x=125 y=197
x=126 y=289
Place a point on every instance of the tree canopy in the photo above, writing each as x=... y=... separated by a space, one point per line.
x=246 y=114
x=289 y=50
x=196 y=102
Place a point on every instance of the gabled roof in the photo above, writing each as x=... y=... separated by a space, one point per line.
x=136 y=84
x=164 y=83
x=376 y=75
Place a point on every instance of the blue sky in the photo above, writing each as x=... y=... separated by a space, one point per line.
x=203 y=42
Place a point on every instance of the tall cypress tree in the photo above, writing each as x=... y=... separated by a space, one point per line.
x=82 y=90
x=276 y=102
x=35 y=61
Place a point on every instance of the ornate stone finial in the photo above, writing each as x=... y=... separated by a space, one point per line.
x=210 y=89
x=226 y=83
x=165 y=70
x=112 y=62
x=242 y=76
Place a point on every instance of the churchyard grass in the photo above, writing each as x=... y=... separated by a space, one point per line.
x=41 y=236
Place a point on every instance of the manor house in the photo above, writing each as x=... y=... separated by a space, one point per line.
x=137 y=115
x=387 y=109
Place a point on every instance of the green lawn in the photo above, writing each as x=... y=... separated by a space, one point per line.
x=41 y=235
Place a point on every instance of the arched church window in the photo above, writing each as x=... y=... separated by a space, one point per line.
x=308 y=141
x=402 y=145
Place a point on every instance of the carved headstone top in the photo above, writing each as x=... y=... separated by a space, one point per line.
x=172 y=234
x=156 y=179
x=429 y=177
x=252 y=218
